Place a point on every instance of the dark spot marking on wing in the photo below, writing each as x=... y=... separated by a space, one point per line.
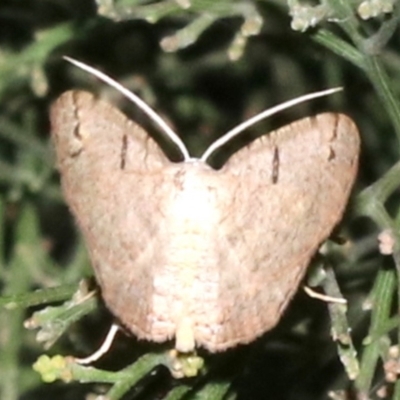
x=124 y=151
x=275 y=165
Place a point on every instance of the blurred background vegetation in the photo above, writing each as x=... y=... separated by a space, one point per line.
x=204 y=66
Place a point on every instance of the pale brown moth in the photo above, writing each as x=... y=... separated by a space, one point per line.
x=180 y=250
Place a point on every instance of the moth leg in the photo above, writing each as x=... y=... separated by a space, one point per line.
x=103 y=349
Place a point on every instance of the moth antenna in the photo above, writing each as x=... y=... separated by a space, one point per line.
x=262 y=115
x=138 y=101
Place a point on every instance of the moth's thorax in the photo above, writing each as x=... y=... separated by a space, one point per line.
x=192 y=206
x=193 y=210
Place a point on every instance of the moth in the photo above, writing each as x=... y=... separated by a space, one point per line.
x=181 y=250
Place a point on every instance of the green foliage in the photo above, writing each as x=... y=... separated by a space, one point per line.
x=205 y=66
